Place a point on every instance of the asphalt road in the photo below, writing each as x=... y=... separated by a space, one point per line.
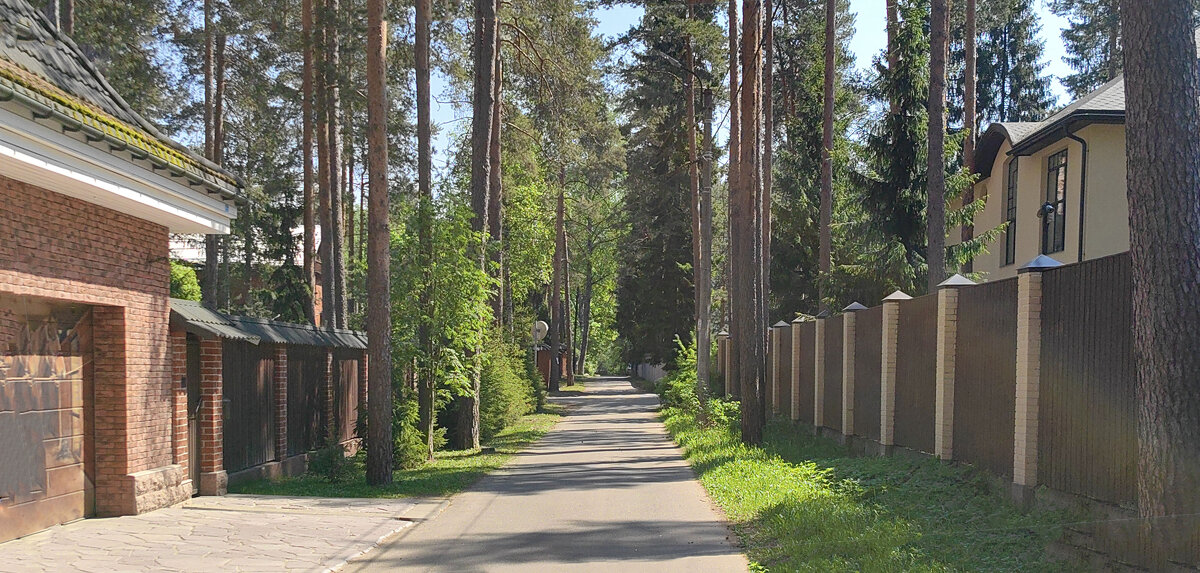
x=605 y=490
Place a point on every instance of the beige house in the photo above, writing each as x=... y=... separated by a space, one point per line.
x=1059 y=183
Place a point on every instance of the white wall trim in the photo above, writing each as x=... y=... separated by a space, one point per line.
x=37 y=154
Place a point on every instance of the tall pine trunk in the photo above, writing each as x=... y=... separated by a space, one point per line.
x=735 y=157
x=496 y=184
x=969 y=104
x=483 y=108
x=426 y=383
x=893 y=57
x=689 y=96
x=321 y=103
x=748 y=336
x=1162 y=91
x=766 y=160
x=334 y=169
x=826 y=215
x=306 y=145
x=936 y=206
x=211 y=255
x=556 y=317
x=704 y=334
x=379 y=321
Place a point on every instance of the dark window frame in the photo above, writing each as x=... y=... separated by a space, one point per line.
x=1010 y=213
x=1054 y=225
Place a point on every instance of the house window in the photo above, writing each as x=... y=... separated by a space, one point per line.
x=1010 y=214
x=1054 y=224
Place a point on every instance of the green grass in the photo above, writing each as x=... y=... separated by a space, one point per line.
x=802 y=503
x=576 y=387
x=450 y=472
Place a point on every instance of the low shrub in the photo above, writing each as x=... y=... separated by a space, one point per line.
x=505 y=392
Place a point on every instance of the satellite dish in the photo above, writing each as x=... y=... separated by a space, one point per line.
x=540 y=328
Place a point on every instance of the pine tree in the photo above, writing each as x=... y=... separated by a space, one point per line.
x=1093 y=42
x=1012 y=83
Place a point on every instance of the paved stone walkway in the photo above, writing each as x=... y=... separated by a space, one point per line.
x=231 y=533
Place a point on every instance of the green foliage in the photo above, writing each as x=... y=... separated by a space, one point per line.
x=1093 y=42
x=448 y=473
x=506 y=394
x=329 y=461
x=288 y=295
x=409 y=450
x=184 y=284
x=802 y=503
x=1012 y=83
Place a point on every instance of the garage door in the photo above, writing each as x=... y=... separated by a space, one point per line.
x=44 y=371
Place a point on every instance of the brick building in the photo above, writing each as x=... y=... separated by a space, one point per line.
x=89 y=192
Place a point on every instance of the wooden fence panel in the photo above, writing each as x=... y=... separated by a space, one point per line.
x=833 y=335
x=808 y=338
x=868 y=349
x=306 y=398
x=916 y=373
x=985 y=379
x=784 y=397
x=249 y=414
x=1087 y=439
x=345 y=396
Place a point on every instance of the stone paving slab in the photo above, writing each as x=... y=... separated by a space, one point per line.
x=229 y=533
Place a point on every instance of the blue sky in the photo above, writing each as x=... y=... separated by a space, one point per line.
x=869 y=39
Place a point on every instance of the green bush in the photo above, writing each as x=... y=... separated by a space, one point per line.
x=505 y=393
x=409 y=447
x=329 y=462
x=184 y=283
x=678 y=389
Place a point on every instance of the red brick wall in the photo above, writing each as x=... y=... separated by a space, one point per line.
x=212 y=394
x=178 y=376
x=57 y=247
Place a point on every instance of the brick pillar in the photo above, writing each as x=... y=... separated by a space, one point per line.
x=796 y=324
x=848 y=325
x=179 y=438
x=1029 y=375
x=327 y=384
x=947 y=345
x=281 y=400
x=213 y=479
x=110 y=409
x=819 y=374
x=887 y=374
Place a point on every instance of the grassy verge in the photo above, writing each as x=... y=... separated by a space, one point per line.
x=802 y=503
x=450 y=472
x=577 y=387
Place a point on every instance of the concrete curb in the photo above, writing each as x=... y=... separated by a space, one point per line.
x=422 y=511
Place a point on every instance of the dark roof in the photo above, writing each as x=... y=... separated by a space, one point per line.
x=201 y=321
x=43 y=69
x=277 y=332
x=206 y=323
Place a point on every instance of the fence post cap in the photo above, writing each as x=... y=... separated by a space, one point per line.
x=723 y=333
x=896 y=297
x=798 y=320
x=824 y=314
x=854 y=307
x=956 y=281
x=1039 y=264
x=780 y=324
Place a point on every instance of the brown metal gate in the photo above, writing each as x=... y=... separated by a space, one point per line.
x=868 y=346
x=832 y=410
x=985 y=378
x=1087 y=438
x=807 y=353
x=916 y=373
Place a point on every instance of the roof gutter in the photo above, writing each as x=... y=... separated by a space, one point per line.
x=1083 y=168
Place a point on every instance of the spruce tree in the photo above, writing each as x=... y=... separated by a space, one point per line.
x=1093 y=42
x=1013 y=85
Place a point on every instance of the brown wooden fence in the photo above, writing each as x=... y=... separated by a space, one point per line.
x=768 y=399
x=916 y=373
x=346 y=391
x=833 y=334
x=249 y=413
x=784 y=397
x=306 y=398
x=807 y=364
x=1087 y=425
x=985 y=379
x=868 y=342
